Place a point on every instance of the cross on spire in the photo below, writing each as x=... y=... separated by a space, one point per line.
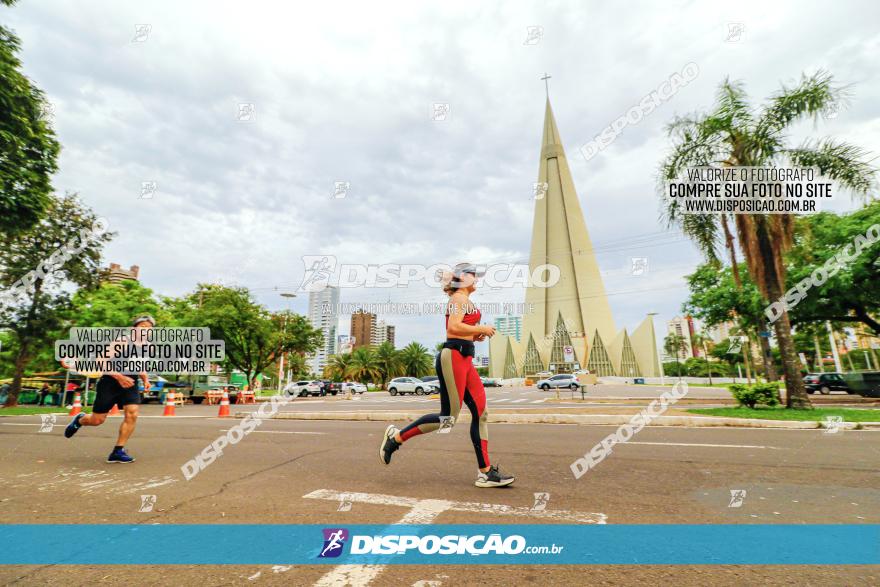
x=546 y=83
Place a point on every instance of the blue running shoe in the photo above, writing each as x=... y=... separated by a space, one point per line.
x=74 y=426
x=120 y=456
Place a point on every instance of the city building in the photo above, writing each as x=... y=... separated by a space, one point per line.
x=683 y=327
x=721 y=332
x=389 y=333
x=363 y=325
x=865 y=339
x=509 y=326
x=367 y=330
x=570 y=326
x=116 y=274
x=323 y=308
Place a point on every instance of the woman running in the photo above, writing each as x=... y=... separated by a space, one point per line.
x=459 y=381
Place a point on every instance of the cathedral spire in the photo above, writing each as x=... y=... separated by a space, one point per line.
x=560 y=238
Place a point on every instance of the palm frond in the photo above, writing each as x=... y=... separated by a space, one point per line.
x=732 y=108
x=703 y=229
x=845 y=163
x=810 y=97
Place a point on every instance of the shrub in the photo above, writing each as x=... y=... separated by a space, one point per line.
x=765 y=394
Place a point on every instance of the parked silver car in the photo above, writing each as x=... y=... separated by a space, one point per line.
x=557 y=381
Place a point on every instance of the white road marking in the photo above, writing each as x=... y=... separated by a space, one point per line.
x=519 y=401
x=538 y=401
x=705 y=445
x=424 y=511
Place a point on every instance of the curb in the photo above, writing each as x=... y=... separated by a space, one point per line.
x=579 y=419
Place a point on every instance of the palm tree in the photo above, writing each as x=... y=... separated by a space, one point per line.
x=699 y=340
x=388 y=361
x=297 y=366
x=416 y=360
x=732 y=135
x=363 y=368
x=675 y=344
x=339 y=367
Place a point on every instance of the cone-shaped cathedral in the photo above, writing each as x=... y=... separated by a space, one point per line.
x=569 y=325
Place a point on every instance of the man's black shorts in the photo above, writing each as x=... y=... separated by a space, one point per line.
x=109 y=392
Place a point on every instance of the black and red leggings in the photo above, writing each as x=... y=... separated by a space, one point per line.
x=459 y=382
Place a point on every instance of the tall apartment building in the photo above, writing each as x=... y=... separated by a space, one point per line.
x=116 y=274
x=367 y=330
x=721 y=332
x=509 y=326
x=363 y=324
x=382 y=332
x=323 y=308
x=684 y=327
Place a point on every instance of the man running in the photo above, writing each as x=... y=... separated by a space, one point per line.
x=119 y=389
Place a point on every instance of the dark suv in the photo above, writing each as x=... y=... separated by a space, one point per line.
x=825 y=383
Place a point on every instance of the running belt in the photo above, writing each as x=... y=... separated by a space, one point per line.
x=464 y=347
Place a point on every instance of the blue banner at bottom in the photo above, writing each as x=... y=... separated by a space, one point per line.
x=536 y=544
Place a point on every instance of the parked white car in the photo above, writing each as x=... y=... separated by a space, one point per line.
x=302 y=388
x=353 y=387
x=404 y=385
x=557 y=381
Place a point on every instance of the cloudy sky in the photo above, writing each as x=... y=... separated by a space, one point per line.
x=345 y=91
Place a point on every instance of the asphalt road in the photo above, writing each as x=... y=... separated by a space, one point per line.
x=664 y=475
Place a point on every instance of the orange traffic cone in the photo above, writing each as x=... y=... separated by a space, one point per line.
x=224 y=406
x=169 y=404
x=114 y=411
x=77 y=405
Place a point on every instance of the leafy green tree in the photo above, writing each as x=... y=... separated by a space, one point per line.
x=115 y=304
x=720 y=294
x=674 y=369
x=728 y=353
x=254 y=337
x=732 y=134
x=850 y=295
x=28 y=148
x=64 y=247
x=417 y=361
